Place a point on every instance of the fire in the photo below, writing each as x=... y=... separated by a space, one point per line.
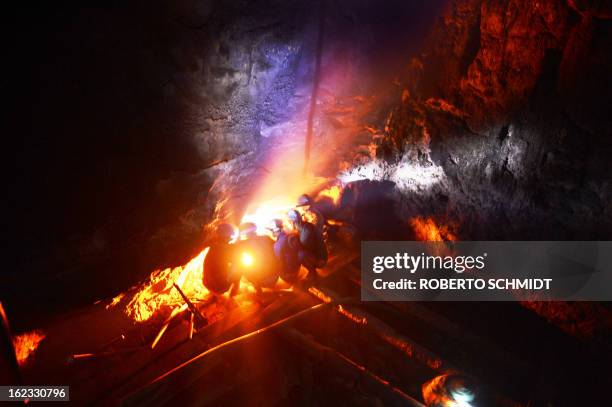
x=158 y=297
x=158 y=294
x=332 y=192
x=266 y=212
x=26 y=344
x=427 y=230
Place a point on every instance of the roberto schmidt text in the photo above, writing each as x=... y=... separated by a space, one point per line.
x=464 y=284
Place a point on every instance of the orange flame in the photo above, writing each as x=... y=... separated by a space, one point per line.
x=159 y=295
x=26 y=344
x=266 y=212
x=427 y=230
x=332 y=192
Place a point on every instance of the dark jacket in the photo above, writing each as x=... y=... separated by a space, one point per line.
x=286 y=251
x=311 y=240
x=264 y=271
x=217 y=267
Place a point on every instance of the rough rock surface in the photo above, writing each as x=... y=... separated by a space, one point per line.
x=129 y=113
x=512 y=100
x=132 y=109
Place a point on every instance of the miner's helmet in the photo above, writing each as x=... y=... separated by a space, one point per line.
x=248 y=229
x=304 y=200
x=224 y=231
x=294 y=216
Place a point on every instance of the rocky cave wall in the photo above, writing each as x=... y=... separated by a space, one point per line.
x=126 y=113
x=512 y=100
x=130 y=108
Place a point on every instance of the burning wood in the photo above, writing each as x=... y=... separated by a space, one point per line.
x=191 y=326
x=26 y=344
x=192 y=308
x=158 y=294
x=164 y=327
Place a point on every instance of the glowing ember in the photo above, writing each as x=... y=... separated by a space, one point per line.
x=158 y=294
x=427 y=230
x=26 y=344
x=116 y=300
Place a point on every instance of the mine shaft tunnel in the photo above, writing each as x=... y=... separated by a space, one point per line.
x=145 y=125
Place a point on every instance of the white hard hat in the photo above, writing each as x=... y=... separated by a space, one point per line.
x=304 y=200
x=294 y=215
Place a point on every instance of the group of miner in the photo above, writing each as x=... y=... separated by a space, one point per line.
x=263 y=259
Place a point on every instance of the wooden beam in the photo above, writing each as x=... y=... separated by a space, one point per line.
x=384 y=331
x=388 y=393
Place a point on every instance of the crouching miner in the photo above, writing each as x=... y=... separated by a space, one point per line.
x=255 y=257
x=286 y=250
x=218 y=275
x=312 y=252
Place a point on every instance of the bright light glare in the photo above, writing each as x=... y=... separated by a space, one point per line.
x=458 y=403
x=267 y=211
x=416 y=177
x=463 y=397
x=373 y=170
x=247 y=260
x=406 y=175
